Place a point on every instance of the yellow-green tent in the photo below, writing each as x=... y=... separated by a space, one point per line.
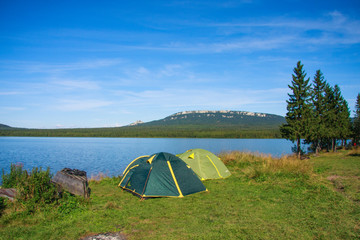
x=205 y=164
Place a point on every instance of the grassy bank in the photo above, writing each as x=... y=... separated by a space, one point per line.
x=265 y=198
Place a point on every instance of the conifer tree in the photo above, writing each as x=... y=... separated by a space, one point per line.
x=317 y=126
x=342 y=111
x=298 y=107
x=356 y=122
x=329 y=117
x=337 y=117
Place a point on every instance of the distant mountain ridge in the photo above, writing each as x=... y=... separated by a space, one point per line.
x=208 y=118
x=187 y=124
x=3 y=126
x=221 y=117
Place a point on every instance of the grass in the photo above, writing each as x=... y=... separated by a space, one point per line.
x=342 y=170
x=265 y=198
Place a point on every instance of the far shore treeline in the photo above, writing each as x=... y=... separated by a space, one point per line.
x=318 y=114
x=187 y=131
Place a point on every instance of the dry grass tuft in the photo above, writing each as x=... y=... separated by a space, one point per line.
x=98 y=177
x=355 y=152
x=238 y=156
x=255 y=165
x=289 y=164
x=112 y=205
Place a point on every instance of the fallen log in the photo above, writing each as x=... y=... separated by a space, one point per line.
x=9 y=193
x=72 y=180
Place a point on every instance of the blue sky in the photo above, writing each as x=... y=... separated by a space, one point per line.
x=110 y=63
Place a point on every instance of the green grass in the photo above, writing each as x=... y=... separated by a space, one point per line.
x=263 y=199
x=342 y=170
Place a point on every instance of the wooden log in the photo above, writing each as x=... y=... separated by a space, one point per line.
x=74 y=181
x=9 y=193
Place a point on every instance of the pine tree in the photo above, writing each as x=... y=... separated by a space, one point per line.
x=298 y=107
x=317 y=126
x=356 y=122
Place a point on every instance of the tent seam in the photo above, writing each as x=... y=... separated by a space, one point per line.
x=174 y=178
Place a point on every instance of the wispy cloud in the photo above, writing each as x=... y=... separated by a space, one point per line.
x=76 y=84
x=213 y=4
x=10 y=93
x=83 y=65
x=332 y=28
x=81 y=104
x=257 y=34
x=13 y=108
x=41 y=67
x=153 y=75
x=203 y=98
x=330 y=21
x=171 y=70
x=251 y=44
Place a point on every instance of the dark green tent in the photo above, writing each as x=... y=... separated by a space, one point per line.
x=160 y=175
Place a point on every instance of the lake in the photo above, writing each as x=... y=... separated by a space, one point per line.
x=111 y=155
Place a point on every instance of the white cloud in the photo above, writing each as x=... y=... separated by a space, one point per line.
x=267 y=34
x=250 y=44
x=13 y=108
x=141 y=72
x=337 y=17
x=76 y=84
x=170 y=70
x=207 y=4
x=338 y=29
x=40 y=67
x=204 y=98
x=81 y=104
x=10 y=93
x=255 y=34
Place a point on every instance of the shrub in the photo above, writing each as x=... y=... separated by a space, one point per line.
x=2 y=205
x=11 y=179
x=34 y=189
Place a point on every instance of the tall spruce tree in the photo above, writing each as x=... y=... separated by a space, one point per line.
x=356 y=122
x=343 y=122
x=298 y=107
x=329 y=117
x=337 y=117
x=317 y=126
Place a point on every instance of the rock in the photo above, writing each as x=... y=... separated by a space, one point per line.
x=106 y=236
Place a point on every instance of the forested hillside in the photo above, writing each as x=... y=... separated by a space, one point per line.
x=221 y=118
x=3 y=126
x=191 y=124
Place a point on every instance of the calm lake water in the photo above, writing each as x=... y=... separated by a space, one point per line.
x=112 y=155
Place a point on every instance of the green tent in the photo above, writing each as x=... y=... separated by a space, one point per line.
x=205 y=164
x=160 y=175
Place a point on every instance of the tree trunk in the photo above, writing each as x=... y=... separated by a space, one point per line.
x=298 y=148
x=317 y=148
